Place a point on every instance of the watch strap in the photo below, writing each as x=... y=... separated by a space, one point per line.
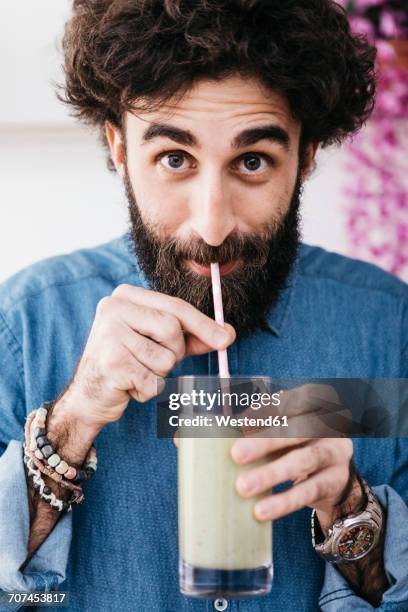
x=372 y=514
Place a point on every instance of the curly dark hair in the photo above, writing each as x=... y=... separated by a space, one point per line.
x=124 y=54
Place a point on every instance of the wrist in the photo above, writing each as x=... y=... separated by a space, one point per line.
x=70 y=432
x=353 y=503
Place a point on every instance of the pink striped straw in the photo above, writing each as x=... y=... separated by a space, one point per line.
x=223 y=369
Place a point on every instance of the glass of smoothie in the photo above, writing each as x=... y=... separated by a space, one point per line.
x=224 y=549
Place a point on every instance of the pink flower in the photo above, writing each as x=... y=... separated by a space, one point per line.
x=376 y=189
x=386 y=52
x=390 y=24
x=362 y=5
x=361 y=25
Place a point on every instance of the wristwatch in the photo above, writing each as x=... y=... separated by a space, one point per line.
x=353 y=536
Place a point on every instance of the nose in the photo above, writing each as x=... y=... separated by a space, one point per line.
x=211 y=207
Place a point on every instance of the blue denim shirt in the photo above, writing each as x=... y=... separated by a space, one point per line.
x=337 y=318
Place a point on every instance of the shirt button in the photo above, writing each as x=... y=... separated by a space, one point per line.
x=221 y=604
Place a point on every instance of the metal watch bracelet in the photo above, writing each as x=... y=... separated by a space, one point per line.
x=368 y=522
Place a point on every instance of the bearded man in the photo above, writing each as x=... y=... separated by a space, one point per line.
x=212 y=112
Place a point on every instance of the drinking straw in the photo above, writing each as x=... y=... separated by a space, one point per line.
x=223 y=370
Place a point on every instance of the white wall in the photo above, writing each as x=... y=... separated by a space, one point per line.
x=55 y=194
x=30 y=34
x=55 y=191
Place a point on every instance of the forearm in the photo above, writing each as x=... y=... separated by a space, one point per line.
x=42 y=516
x=366 y=576
x=71 y=438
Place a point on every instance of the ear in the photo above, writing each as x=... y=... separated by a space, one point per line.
x=116 y=146
x=309 y=161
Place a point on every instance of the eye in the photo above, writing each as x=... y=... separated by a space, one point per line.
x=175 y=161
x=252 y=163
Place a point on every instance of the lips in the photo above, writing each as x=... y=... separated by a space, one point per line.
x=205 y=270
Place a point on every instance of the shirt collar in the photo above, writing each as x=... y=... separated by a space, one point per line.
x=278 y=312
x=126 y=246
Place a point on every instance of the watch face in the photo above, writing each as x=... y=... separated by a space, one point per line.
x=356 y=542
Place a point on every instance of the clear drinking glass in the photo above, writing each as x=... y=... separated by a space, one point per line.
x=224 y=549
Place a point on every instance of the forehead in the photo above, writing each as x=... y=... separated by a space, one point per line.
x=221 y=107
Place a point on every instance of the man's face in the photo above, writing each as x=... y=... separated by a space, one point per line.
x=214 y=177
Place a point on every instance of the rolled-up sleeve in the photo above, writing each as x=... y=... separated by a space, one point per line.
x=47 y=568
x=337 y=594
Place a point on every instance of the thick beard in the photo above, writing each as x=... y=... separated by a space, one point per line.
x=248 y=292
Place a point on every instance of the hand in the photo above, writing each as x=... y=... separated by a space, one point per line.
x=137 y=337
x=320 y=469
x=312 y=410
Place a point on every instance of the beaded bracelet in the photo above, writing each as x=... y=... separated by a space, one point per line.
x=43 y=450
x=43 y=467
x=44 y=491
x=38 y=462
x=34 y=469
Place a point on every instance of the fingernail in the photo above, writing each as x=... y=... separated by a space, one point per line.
x=161 y=383
x=221 y=336
x=262 y=509
x=241 y=450
x=246 y=484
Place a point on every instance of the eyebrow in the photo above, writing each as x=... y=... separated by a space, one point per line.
x=251 y=136
x=157 y=130
x=247 y=137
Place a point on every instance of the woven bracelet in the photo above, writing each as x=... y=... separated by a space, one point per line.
x=44 y=491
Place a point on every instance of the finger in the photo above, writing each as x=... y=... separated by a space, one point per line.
x=296 y=464
x=192 y=320
x=245 y=450
x=161 y=327
x=157 y=358
x=195 y=346
x=176 y=438
x=138 y=381
x=307 y=493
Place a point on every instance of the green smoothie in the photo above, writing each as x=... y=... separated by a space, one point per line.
x=217 y=527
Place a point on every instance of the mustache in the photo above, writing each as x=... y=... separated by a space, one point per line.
x=253 y=249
